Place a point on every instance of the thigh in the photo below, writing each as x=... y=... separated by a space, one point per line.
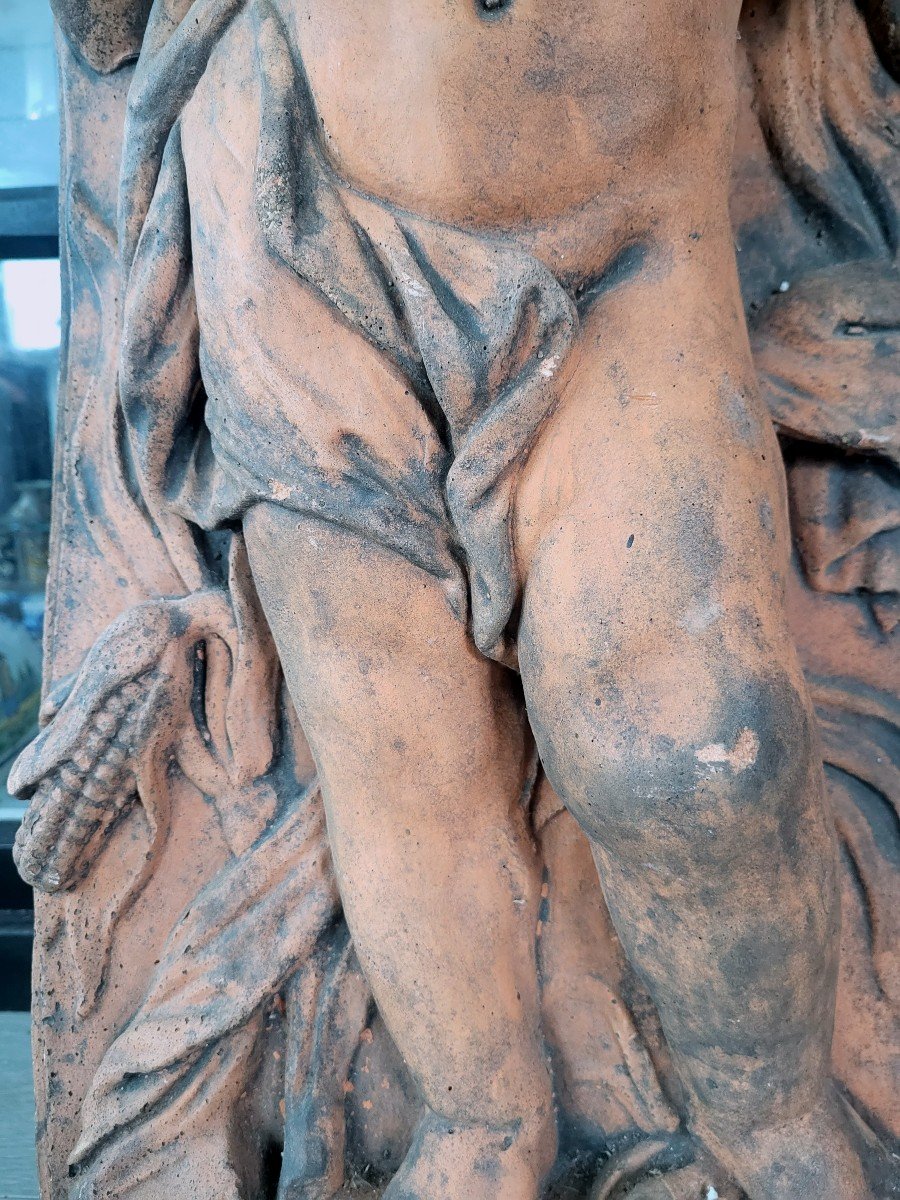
x=651 y=520
x=411 y=728
x=660 y=469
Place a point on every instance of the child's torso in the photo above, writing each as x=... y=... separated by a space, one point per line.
x=523 y=112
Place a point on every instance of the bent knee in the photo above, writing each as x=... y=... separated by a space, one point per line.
x=726 y=769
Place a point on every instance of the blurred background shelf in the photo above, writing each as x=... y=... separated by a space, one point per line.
x=16 y=922
x=18 y=1171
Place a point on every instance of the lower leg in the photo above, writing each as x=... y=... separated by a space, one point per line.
x=697 y=781
x=422 y=757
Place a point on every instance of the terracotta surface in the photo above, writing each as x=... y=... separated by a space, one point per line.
x=444 y=648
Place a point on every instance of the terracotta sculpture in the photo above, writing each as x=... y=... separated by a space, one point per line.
x=410 y=360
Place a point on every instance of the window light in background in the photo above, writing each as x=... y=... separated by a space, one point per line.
x=32 y=299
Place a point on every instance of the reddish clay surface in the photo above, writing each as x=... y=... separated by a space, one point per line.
x=469 y=765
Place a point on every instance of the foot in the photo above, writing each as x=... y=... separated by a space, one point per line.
x=475 y=1162
x=812 y=1155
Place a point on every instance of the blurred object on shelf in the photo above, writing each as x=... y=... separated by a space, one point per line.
x=29 y=362
x=29 y=522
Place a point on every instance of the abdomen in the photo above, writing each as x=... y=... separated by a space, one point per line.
x=518 y=115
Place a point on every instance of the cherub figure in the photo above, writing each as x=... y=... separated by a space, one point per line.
x=438 y=301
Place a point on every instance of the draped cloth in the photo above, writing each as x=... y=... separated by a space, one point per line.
x=475 y=326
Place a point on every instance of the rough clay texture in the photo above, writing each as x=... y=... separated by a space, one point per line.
x=469 y=764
